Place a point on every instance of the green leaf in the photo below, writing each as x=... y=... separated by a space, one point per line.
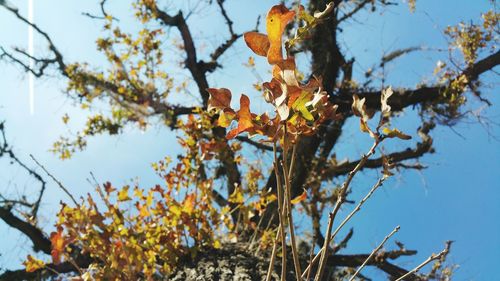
x=300 y=105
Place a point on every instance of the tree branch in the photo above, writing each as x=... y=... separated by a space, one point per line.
x=380 y=262
x=405 y=98
x=196 y=68
x=255 y=143
x=49 y=270
x=355 y=10
x=58 y=58
x=40 y=241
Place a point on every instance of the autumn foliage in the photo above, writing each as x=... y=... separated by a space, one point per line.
x=131 y=232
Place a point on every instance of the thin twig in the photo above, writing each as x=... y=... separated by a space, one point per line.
x=374 y=252
x=340 y=201
x=358 y=207
x=433 y=257
x=353 y=212
x=295 y=254
x=281 y=209
x=55 y=180
x=273 y=255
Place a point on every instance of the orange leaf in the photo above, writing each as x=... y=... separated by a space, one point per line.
x=299 y=198
x=258 y=42
x=277 y=19
x=244 y=118
x=58 y=244
x=189 y=203
x=219 y=98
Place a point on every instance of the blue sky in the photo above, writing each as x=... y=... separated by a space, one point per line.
x=456 y=198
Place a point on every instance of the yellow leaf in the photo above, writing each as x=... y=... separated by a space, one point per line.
x=236 y=197
x=395 y=133
x=175 y=209
x=123 y=194
x=32 y=264
x=277 y=19
x=143 y=211
x=225 y=119
x=189 y=203
x=217 y=244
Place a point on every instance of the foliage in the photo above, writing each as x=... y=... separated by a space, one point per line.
x=130 y=233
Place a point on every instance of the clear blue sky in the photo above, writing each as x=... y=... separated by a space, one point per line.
x=456 y=198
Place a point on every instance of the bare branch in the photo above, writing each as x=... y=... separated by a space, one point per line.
x=335 y=170
x=37 y=237
x=58 y=58
x=5 y=149
x=381 y=263
x=432 y=257
x=197 y=69
x=405 y=98
x=48 y=271
x=103 y=12
x=374 y=252
x=356 y=9
x=255 y=143
x=340 y=200
x=55 y=180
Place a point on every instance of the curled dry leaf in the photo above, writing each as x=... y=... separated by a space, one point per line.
x=257 y=42
x=219 y=99
x=244 y=118
x=386 y=94
x=359 y=109
x=270 y=45
x=277 y=19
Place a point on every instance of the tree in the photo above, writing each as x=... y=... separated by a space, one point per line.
x=147 y=232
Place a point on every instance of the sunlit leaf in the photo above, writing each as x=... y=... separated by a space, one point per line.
x=257 y=42
x=236 y=197
x=244 y=118
x=58 y=244
x=277 y=19
x=123 y=194
x=225 y=118
x=32 y=264
x=300 y=105
x=395 y=133
x=189 y=203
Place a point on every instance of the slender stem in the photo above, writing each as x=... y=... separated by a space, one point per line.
x=340 y=200
x=358 y=207
x=310 y=260
x=433 y=257
x=55 y=180
x=325 y=248
x=295 y=253
x=273 y=255
x=374 y=252
x=281 y=211
x=294 y=154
